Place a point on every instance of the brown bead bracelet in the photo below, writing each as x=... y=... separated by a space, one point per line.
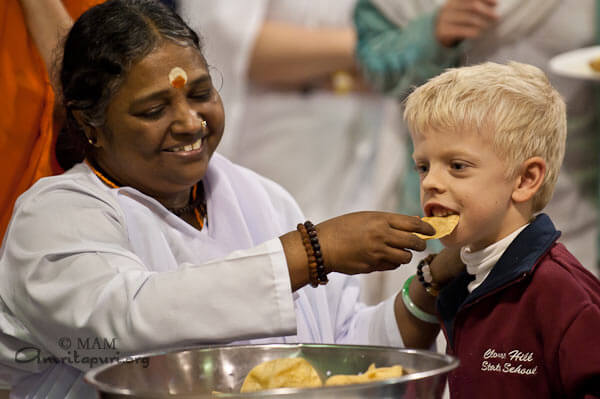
x=316 y=266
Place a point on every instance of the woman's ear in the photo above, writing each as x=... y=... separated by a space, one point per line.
x=529 y=179
x=90 y=131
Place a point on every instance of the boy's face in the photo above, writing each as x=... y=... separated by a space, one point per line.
x=461 y=174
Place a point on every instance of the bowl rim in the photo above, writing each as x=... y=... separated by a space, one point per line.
x=91 y=375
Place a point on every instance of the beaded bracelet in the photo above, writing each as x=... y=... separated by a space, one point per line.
x=316 y=267
x=310 y=254
x=412 y=308
x=314 y=241
x=425 y=277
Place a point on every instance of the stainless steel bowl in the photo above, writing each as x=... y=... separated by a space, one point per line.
x=198 y=372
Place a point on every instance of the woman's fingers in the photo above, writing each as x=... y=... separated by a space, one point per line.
x=367 y=241
x=410 y=224
x=394 y=258
x=399 y=239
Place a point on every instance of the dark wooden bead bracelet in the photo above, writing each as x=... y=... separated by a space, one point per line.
x=314 y=241
x=316 y=268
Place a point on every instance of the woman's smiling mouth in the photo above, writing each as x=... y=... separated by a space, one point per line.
x=197 y=145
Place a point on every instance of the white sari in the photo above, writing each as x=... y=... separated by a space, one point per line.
x=115 y=264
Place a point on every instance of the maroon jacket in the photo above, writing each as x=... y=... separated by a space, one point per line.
x=531 y=329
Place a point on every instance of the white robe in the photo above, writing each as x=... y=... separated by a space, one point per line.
x=84 y=262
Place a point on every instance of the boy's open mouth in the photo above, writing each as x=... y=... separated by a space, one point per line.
x=438 y=210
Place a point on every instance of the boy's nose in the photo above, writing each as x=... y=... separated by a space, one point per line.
x=433 y=180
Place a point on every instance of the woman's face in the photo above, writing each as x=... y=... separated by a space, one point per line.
x=155 y=138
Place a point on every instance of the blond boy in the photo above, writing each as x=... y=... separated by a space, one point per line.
x=524 y=318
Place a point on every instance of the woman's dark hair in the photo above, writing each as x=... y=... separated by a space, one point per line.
x=99 y=50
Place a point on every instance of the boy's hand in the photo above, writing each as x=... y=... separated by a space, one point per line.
x=464 y=19
x=446 y=265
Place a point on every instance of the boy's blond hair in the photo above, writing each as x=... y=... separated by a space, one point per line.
x=515 y=102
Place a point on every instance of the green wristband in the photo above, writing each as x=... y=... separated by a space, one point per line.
x=414 y=309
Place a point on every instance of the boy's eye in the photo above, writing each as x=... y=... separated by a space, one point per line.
x=421 y=168
x=458 y=165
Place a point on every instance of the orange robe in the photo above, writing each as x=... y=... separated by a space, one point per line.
x=27 y=128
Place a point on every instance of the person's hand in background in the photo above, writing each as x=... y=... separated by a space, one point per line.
x=464 y=19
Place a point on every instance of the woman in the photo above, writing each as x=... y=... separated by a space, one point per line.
x=151 y=240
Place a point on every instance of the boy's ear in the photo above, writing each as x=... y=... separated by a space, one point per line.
x=529 y=179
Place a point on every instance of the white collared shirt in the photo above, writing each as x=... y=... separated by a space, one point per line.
x=480 y=263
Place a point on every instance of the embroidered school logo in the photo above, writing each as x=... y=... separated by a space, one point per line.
x=512 y=362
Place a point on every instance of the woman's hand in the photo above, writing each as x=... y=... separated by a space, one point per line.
x=356 y=243
x=363 y=242
x=464 y=19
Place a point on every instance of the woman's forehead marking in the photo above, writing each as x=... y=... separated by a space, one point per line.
x=178 y=77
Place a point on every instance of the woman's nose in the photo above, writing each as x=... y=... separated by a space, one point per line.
x=187 y=120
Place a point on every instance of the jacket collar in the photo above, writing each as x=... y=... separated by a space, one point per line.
x=519 y=259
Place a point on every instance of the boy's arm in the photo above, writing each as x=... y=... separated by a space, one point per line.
x=396 y=58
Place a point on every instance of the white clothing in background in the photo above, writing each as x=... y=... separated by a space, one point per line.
x=333 y=153
x=85 y=261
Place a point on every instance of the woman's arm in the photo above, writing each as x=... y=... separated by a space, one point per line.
x=71 y=269
x=356 y=243
x=82 y=272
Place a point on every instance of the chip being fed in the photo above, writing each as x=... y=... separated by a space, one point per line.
x=443 y=226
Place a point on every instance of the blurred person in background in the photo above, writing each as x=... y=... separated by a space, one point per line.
x=29 y=33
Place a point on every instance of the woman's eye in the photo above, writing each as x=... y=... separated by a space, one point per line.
x=201 y=95
x=152 y=113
